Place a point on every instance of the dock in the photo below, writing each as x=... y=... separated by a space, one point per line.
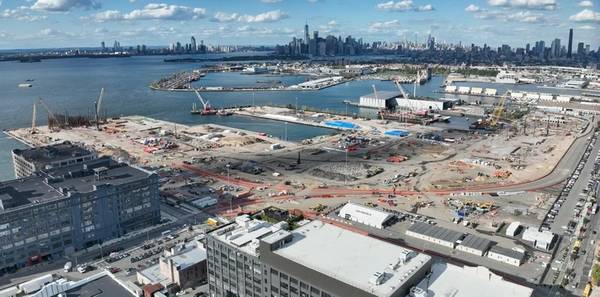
x=313 y=85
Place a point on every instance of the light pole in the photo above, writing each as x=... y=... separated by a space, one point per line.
x=346 y=175
x=285 y=131
x=296 y=104
x=228 y=184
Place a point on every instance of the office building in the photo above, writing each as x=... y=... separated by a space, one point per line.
x=254 y=258
x=183 y=265
x=28 y=161
x=61 y=210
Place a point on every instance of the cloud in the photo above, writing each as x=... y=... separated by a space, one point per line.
x=224 y=17
x=387 y=26
x=270 y=1
x=152 y=11
x=165 y=11
x=586 y=15
x=403 y=5
x=330 y=28
x=265 y=17
x=530 y=4
x=65 y=5
x=587 y=27
x=586 y=3
x=21 y=13
x=473 y=8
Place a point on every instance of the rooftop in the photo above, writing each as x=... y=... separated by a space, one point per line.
x=191 y=254
x=451 y=280
x=476 y=242
x=383 y=95
x=348 y=257
x=102 y=287
x=245 y=232
x=507 y=252
x=440 y=233
x=370 y=216
x=53 y=153
x=49 y=184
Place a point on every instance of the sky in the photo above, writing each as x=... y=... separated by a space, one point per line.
x=85 y=23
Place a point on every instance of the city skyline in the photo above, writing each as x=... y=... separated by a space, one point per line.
x=85 y=23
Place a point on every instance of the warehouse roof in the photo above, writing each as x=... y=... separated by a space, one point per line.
x=507 y=252
x=436 y=232
x=348 y=257
x=53 y=153
x=512 y=228
x=476 y=242
x=367 y=215
x=383 y=95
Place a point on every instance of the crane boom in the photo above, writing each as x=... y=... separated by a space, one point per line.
x=498 y=111
x=205 y=104
x=50 y=113
x=33 y=118
x=98 y=106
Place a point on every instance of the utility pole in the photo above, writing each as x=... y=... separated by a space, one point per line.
x=228 y=184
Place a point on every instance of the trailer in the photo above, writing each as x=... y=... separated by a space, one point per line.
x=35 y=284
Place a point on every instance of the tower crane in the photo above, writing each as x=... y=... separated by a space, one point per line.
x=51 y=116
x=498 y=111
x=33 y=118
x=98 y=105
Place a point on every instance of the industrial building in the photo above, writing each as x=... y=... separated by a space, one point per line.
x=254 y=258
x=61 y=210
x=540 y=239
x=474 y=245
x=183 y=265
x=28 y=161
x=394 y=100
x=451 y=280
x=435 y=234
x=508 y=256
x=365 y=215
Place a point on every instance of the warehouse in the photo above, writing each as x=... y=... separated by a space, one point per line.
x=505 y=255
x=382 y=100
x=474 y=245
x=365 y=215
x=393 y=100
x=435 y=234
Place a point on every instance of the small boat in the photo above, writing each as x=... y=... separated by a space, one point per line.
x=25 y=85
x=224 y=112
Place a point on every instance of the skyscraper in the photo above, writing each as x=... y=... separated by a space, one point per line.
x=193 y=44
x=570 y=48
x=306 y=36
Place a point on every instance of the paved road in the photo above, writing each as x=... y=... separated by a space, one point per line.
x=565 y=213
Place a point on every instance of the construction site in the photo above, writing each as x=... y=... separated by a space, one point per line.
x=480 y=180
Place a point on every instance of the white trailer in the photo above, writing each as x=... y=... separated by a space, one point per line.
x=35 y=284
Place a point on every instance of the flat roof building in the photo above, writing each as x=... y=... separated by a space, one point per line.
x=451 y=280
x=508 y=256
x=61 y=210
x=540 y=239
x=365 y=215
x=102 y=284
x=317 y=259
x=435 y=234
x=183 y=265
x=28 y=161
x=475 y=245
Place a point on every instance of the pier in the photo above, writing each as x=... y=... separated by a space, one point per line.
x=183 y=84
